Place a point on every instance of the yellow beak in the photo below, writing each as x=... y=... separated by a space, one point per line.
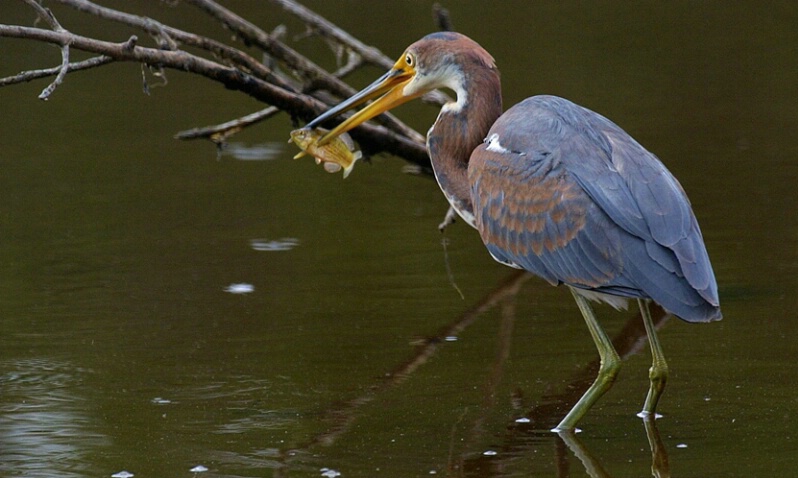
x=390 y=86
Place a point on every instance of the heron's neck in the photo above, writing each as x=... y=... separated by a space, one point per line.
x=460 y=128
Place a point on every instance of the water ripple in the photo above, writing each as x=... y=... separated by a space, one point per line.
x=44 y=429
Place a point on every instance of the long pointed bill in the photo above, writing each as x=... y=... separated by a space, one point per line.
x=391 y=83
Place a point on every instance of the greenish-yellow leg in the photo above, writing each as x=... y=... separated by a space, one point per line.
x=658 y=373
x=608 y=369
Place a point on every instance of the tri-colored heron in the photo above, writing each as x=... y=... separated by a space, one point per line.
x=558 y=190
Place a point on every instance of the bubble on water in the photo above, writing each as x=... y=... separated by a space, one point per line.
x=559 y=430
x=490 y=453
x=681 y=445
x=253 y=152
x=330 y=473
x=657 y=416
x=160 y=401
x=240 y=288
x=274 y=245
x=198 y=469
x=523 y=420
x=122 y=474
x=451 y=338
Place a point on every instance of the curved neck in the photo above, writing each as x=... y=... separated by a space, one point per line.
x=460 y=128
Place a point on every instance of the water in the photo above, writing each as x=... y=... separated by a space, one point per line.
x=347 y=349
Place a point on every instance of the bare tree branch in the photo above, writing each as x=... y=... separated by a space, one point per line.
x=302 y=90
x=168 y=38
x=48 y=17
x=254 y=35
x=219 y=133
x=317 y=77
x=31 y=75
x=367 y=53
x=328 y=30
x=441 y=17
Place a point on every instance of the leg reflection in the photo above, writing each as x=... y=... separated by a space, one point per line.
x=593 y=468
x=591 y=464
x=659 y=456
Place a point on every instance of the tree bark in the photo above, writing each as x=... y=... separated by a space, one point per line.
x=304 y=93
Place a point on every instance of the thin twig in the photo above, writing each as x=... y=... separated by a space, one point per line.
x=330 y=31
x=46 y=15
x=327 y=29
x=31 y=75
x=256 y=36
x=440 y=16
x=219 y=133
x=59 y=78
x=169 y=35
x=353 y=62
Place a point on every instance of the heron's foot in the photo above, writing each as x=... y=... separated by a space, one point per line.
x=609 y=365
x=658 y=377
x=649 y=416
x=608 y=372
x=561 y=431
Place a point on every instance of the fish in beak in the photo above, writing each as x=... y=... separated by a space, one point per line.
x=338 y=153
x=389 y=90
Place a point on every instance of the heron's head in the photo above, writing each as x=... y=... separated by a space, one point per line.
x=439 y=60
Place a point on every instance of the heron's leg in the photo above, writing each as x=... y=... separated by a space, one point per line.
x=658 y=373
x=608 y=368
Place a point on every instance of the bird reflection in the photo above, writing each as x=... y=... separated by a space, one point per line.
x=659 y=457
x=520 y=437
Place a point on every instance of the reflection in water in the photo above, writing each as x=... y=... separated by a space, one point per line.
x=240 y=288
x=591 y=464
x=521 y=434
x=242 y=401
x=659 y=457
x=276 y=245
x=343 y=417
x=45 y=430
x=253 y=152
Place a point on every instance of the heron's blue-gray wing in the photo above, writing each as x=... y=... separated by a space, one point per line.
x=640 y=194
x=565 y=193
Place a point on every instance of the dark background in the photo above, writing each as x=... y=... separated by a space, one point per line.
x=121 y=350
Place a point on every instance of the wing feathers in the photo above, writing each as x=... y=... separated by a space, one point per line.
x=566 y=194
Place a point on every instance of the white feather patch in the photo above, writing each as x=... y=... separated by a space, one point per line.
x=495 y=146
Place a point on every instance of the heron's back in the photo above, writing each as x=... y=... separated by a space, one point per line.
x=563 y=192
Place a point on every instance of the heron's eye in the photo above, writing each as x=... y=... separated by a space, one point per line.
x=409 y=59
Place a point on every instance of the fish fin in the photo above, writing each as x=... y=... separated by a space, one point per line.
x=300 y=154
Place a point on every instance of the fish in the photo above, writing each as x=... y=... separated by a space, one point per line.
x=339 y=153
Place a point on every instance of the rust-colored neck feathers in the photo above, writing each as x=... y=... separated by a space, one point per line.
x=463 y=125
